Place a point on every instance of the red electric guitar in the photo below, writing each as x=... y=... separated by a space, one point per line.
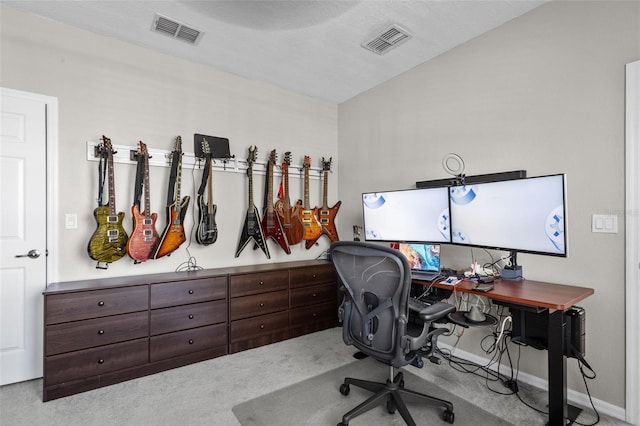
x=289 y=216
x=271 y=225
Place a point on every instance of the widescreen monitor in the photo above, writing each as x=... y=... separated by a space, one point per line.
x=411 y=215
x=520 y=215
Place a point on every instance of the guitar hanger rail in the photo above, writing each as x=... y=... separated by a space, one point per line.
x=126 y=154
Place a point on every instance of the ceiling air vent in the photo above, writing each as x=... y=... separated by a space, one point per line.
x=175 y=29
x=389 y=38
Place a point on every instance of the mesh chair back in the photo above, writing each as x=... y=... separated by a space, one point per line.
x=374 y=313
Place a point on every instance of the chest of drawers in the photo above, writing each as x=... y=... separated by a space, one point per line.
x=105 y=331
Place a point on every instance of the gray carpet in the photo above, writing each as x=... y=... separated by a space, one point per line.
x=321 y=403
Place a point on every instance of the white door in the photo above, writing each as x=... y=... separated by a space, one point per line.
x=23 y=234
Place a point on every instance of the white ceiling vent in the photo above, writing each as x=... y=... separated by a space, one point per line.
x=175 y=29
x=389 y=38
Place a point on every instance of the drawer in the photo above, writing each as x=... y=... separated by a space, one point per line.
x=73 y=336
x=247 y=284
x=258 y=326
x=312 y=275
x=95 y=303
x=188 y=316
x=188 y=341
x=259 y=304
x=95 y=361
x=306 y=296
x=317 y=313
x=189 y=291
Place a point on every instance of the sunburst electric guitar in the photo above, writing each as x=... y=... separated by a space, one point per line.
x=271 y=225
x=109 y=241
x=144 y=237
x=252 y=228
x=325 y=214
x=289 y=216
x=310 y=222
x=173 y=235
x=207 y=229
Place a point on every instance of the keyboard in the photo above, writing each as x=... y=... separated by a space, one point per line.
x=417 y=305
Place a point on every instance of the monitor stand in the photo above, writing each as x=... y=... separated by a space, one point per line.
x=512 y=272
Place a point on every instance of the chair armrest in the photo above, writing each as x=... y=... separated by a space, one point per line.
x=436 y=311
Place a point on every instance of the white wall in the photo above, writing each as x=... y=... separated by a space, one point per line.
x=544 y=93
x=128 y=93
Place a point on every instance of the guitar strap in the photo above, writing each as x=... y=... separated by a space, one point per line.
x=137 y=189
x=102 y=173
x=172 y=177
x=205 y=175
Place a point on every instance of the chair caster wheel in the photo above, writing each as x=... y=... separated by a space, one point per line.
x=448 y=416
x=342 y=424
x=391 y=407
x=344 y=389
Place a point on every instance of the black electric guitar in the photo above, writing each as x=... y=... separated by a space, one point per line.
x=252 y=229
x=173 y=235
x=207 y=229
x=109 y=241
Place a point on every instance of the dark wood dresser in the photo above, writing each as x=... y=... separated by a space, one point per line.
x=104 y=331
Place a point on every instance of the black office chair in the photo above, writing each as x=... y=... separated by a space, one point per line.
x=374 y=315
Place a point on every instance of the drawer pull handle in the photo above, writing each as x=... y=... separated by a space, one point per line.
x=101 y=361
x=190 y=291
x=100 y=332
x=262 y=304
x=101 y=303
x=314 y=275
x=190 y=316
x=313 y=295
x=191 y=341
x=261 y=326
x=261 y=282
x=314 y=315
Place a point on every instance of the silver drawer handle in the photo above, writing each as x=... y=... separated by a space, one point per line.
x=190 y=316
x=100 y=332
x=262 y=304
x=101 y=361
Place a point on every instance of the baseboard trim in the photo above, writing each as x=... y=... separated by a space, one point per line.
x=573 y=396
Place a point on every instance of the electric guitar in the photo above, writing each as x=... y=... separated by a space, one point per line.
x=325 y=214
x=271 y=224
x=252 y=229
x=310 y=222
x=289 y=216
x=173 y=235
x=144 y=238
x=109 y=240
x=207 y=229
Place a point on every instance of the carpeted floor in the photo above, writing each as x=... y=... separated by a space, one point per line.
x=205 y=393
x=323 y=404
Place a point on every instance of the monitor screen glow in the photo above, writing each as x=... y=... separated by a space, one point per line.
x=412 y=215
x=527 y=215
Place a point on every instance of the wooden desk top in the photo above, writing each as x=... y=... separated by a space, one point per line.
x=526 y=292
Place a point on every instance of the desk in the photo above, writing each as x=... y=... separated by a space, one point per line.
x=554 y=299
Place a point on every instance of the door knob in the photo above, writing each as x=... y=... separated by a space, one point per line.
x=33 y=254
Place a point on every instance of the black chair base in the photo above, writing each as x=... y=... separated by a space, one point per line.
x=393 y=394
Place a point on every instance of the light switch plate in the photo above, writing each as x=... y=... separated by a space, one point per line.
x=607 y=223
x=71 y=221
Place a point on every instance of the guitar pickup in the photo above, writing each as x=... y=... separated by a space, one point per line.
x=112 y=219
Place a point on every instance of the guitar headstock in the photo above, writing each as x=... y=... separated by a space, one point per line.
x=287 y=158
x=106 y=144
x=253 y=152
x=178 y=145
x=142 y=148
x=326 y=165
x=273 y=157
x=205 y=147
x=307 y=162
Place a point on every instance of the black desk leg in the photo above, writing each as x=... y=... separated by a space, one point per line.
x=557 y=365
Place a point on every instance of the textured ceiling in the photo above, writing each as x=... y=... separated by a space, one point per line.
x=310 y=47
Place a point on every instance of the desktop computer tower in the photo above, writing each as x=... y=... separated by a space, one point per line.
x=530 y=328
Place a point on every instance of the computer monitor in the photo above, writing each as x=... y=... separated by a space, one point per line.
x=521 y=215
x=411 y=215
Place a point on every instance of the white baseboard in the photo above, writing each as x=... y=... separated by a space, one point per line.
x=574 y=397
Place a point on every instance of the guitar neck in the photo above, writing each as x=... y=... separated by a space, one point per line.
x=325 y=189
x=306 y=188
x=147 y=202
x=112 y=192
x=285 y=178
x=250 y=174
x=210 y=189
x=269 y=187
